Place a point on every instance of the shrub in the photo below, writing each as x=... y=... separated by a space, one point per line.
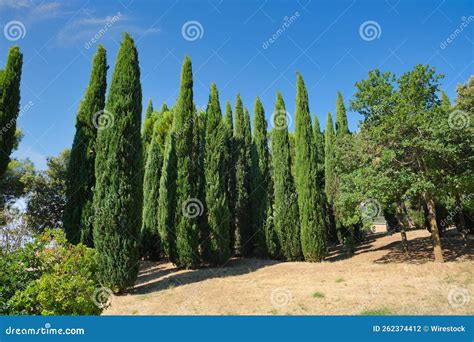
x=64 y=281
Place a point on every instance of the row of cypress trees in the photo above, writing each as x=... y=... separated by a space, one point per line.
x=193 y=187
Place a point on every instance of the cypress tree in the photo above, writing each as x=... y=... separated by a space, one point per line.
x=118 y=192
x=78 y=212
x=167 y=200
x=10 y=79
x=148 y=127
x=313 y=230
x=260 y=176
x=319 y=148
x=218 y=217
x=342 y=126
x=286 y=212
x=188 y=206
x=230 y=174
x=150 y=240
x=329 y=178
x=242 y=141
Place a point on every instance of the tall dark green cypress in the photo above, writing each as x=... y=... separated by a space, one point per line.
x=150 y=239
x=148 y=127
x=329 y=140
x=230 y=174
x=310 y=199
x=285 y=213
x=261 y=188
x=329 y=179
x=10 y=79
x=319 y=147
x=167 y=200
x=218 y=218
x=342 y=126
x=118 y=191
x=242 y=142
x=188 y=206
x=79 y=212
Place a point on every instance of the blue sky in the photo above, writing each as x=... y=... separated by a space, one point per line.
x=324 y=40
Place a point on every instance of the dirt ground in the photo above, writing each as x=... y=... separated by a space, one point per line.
x=378 y=279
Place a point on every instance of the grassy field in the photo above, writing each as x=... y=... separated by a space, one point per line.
x=379 y=280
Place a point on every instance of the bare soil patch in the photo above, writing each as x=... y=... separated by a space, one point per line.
x=378 y=279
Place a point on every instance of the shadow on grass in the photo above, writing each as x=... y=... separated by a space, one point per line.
x=420 y=251
x=156 y=276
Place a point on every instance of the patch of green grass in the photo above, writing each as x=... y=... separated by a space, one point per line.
x=340 y=280
x=318 y=294
x=377 y=312
x=274 y=312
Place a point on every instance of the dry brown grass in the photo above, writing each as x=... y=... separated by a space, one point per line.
x=378 y=278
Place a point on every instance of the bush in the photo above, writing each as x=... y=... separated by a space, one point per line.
x=64 y=281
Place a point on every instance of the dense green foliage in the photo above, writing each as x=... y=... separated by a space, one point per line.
x=10 y=79
x=260 y=185
x=310 y=199
x=49 y=276
x=81 y=167
x=218 y=216
x=188 y=206
x=242 y=150
x=285 y=207
x=118 y=192
x=150 y=239
x=47 y=194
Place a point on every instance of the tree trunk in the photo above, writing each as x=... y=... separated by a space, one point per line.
x=438 y=251
x=401 y=223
